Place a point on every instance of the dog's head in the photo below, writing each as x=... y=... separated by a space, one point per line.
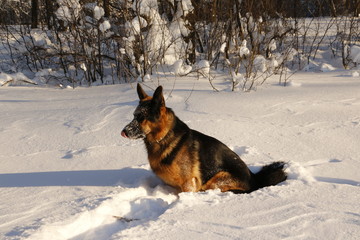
x=148 y=116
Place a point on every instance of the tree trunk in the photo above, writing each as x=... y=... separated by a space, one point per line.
x=238 y=20
x=332 y=8
x=49 y=7
x=106 y=6
x=34 y=13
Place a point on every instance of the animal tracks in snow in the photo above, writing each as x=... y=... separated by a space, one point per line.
x=321 y=162
x=107 y=114
x=94 y=123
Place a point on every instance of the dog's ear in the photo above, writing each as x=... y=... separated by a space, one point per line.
x=141 y=93
x=158 y=97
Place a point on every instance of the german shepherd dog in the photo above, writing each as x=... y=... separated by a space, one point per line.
x=189 y=160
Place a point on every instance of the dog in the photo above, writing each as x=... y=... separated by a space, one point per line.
x=188 y=160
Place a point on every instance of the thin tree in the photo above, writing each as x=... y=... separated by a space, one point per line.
x=34 y=13
x=106 y=7
x=49 y=17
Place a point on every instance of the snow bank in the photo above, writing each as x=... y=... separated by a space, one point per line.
x=355 y=54
x=326 y=67
x=203 y=67
x=15 y=79
x=180 y=69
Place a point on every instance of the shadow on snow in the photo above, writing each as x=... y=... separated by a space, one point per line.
x=125 y=176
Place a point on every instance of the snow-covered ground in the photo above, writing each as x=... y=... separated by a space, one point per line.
x=65 y=171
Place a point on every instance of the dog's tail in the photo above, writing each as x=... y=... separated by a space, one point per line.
x=270 y=175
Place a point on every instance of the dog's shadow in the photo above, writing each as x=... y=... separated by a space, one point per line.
x=124 y=177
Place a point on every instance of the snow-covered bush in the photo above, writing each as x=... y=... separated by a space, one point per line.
x=80 y=45
x=85 y=43
x=257 y=50
x=152 y=39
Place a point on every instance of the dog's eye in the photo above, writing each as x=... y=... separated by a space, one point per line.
x=141 y=113
x=139 y=117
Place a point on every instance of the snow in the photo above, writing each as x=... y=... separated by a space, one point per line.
x=98 y=12
x=136 y=24
x=355 y=54
x=244 y=51
x=203 y=67
x=69 y=10
x=260 y=63
x=327 y=67
x=66 y=171
x=179 y=68
x=104 y=26
x=186 y=7
x=223 y=47
x=145 y=7
x=14 y=79
x=272 y=45
x=236 y=77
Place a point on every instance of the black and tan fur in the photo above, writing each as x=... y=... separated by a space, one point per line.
x=189 y=160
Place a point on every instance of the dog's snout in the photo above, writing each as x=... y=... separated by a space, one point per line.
x=132 y=130
x=124 y=134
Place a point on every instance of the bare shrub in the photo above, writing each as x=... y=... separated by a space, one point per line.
x=106 y=42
